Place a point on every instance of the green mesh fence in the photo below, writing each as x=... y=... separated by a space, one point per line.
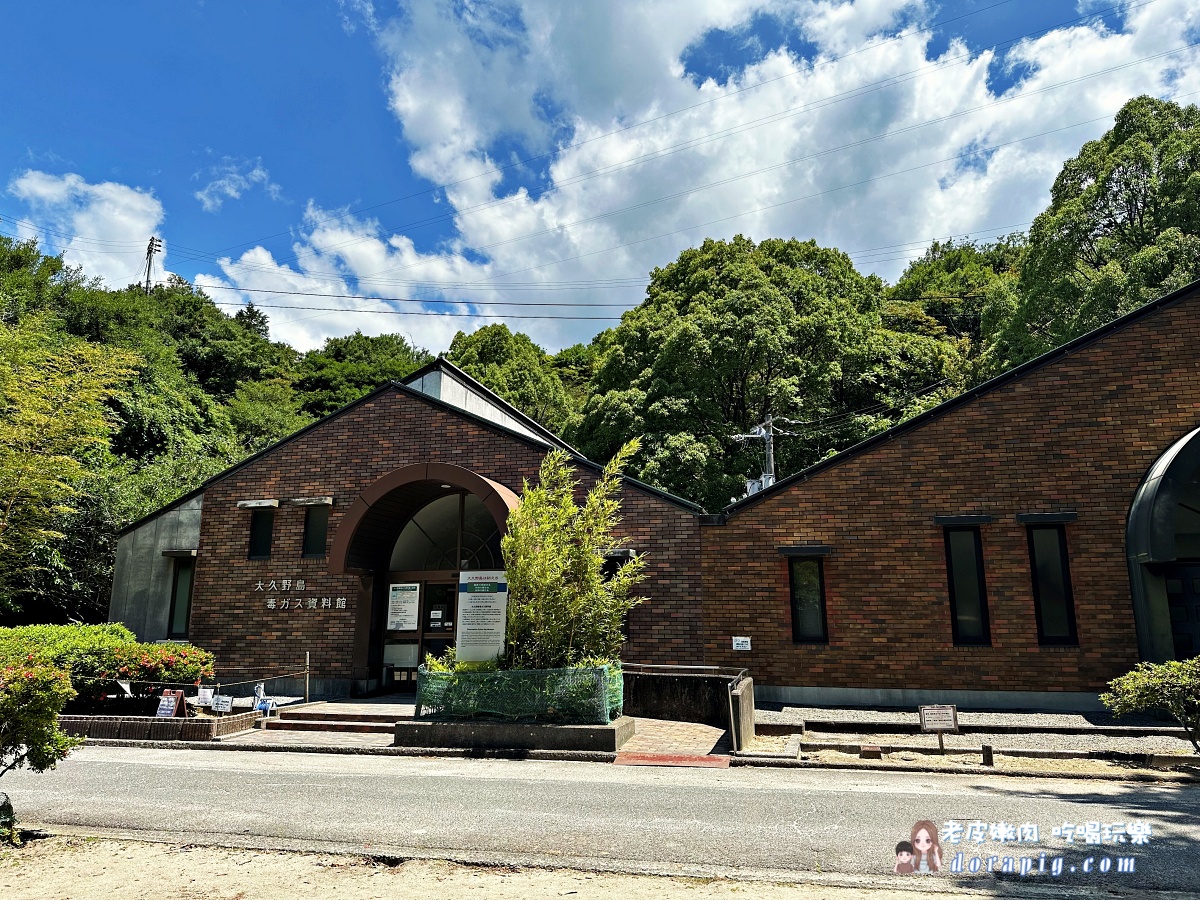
x=559 y=696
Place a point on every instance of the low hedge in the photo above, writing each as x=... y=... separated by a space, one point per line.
x=96 y=656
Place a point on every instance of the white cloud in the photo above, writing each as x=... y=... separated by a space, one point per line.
x=103 y=227
x=473 y=85
x=232 y=178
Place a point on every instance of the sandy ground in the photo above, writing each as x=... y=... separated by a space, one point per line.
x=81 y=868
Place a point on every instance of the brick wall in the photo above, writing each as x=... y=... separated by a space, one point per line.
x=1076 y=434
x=342 y=457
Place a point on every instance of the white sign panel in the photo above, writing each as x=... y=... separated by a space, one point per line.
x=204 y=696
x=222 y=703
x=403 y=600
x=939 y=718
x=741 y=643
x=482 y=615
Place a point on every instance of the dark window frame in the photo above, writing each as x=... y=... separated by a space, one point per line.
x=1072 y=638
x=256 y=514
x=797 y=637
x=308 y=537
x=984 y=618
x=179 y=563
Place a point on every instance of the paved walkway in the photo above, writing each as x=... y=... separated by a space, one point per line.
x=652 y=736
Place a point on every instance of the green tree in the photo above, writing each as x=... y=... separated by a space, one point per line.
x=518 y=370
x=562 y=610
x=962 y=293
x=54 y=416
x=347 y=368
x=733 y=331
x=263 y=412
x=1172 y=686
x=1123 y=228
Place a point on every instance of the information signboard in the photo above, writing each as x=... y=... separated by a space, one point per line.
x=403 y=600
x=222 y=703
x=204 y=696
x=741 y=643
x=482 y=615
x=939 y=718
x=171 y=704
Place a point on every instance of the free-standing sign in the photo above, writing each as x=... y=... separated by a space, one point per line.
x=403 y=600
x=204 y=696
x=939 y=718
x=171 y=704
x=482 y=615
x=222 y=703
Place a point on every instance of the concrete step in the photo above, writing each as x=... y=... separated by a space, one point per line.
x=334 y=726
x=301 y=715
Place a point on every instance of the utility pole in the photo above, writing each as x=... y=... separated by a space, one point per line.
x=155 y=246
x=765 y=432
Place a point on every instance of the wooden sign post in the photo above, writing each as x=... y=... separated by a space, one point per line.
x=940 y=719
x=171 y=704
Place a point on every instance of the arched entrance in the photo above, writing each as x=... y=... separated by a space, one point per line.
x=1163 y=546
x=409 y=536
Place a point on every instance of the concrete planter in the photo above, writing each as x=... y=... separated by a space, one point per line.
x=515 y=736
x=151 y=728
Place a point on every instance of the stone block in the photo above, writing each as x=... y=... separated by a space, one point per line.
x=477 y=735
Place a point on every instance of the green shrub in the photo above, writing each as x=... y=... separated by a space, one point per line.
x=1172 y=686
x=561 y=607
x=31 y=697
x=96 y=656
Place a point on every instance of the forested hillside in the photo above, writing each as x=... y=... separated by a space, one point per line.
x=114 y=402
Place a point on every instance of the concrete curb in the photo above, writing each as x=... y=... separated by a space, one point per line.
x=457 y=752
x=777 y=760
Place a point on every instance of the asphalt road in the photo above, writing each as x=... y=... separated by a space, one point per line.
x=584 y=814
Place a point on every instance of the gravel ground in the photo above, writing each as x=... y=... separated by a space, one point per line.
x=1076 y=742
x=785 y=715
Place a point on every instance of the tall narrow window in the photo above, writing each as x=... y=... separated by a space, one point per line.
x=181 y=597
x=1052 y=600
x=808 y=600
x=261 y=523
x=968 y=592
x=316 y=526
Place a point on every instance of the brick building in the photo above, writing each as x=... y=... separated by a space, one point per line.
x=1019 y=545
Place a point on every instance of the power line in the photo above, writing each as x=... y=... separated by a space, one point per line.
x=405 y=312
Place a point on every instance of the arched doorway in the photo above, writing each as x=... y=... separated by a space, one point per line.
x=409 y=536
x=1163 y=546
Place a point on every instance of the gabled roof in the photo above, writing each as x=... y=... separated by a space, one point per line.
x=542 y=440
x=485 y=398
x=1142 y=312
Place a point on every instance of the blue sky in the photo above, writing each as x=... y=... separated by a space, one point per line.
x=460 y=154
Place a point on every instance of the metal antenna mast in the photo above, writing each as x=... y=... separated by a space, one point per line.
x=155 y=246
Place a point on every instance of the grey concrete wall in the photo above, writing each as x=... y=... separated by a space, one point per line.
x=141 y=594
x=1054 y=701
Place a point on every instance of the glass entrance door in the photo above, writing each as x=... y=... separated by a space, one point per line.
x=1183 y=600
x=438 y=619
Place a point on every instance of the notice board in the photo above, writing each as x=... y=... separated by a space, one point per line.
x=482 y=615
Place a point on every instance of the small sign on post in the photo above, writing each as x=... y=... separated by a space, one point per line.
x=222 y=703
x=171 y=704
x=204 y=696
x=940 y=719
